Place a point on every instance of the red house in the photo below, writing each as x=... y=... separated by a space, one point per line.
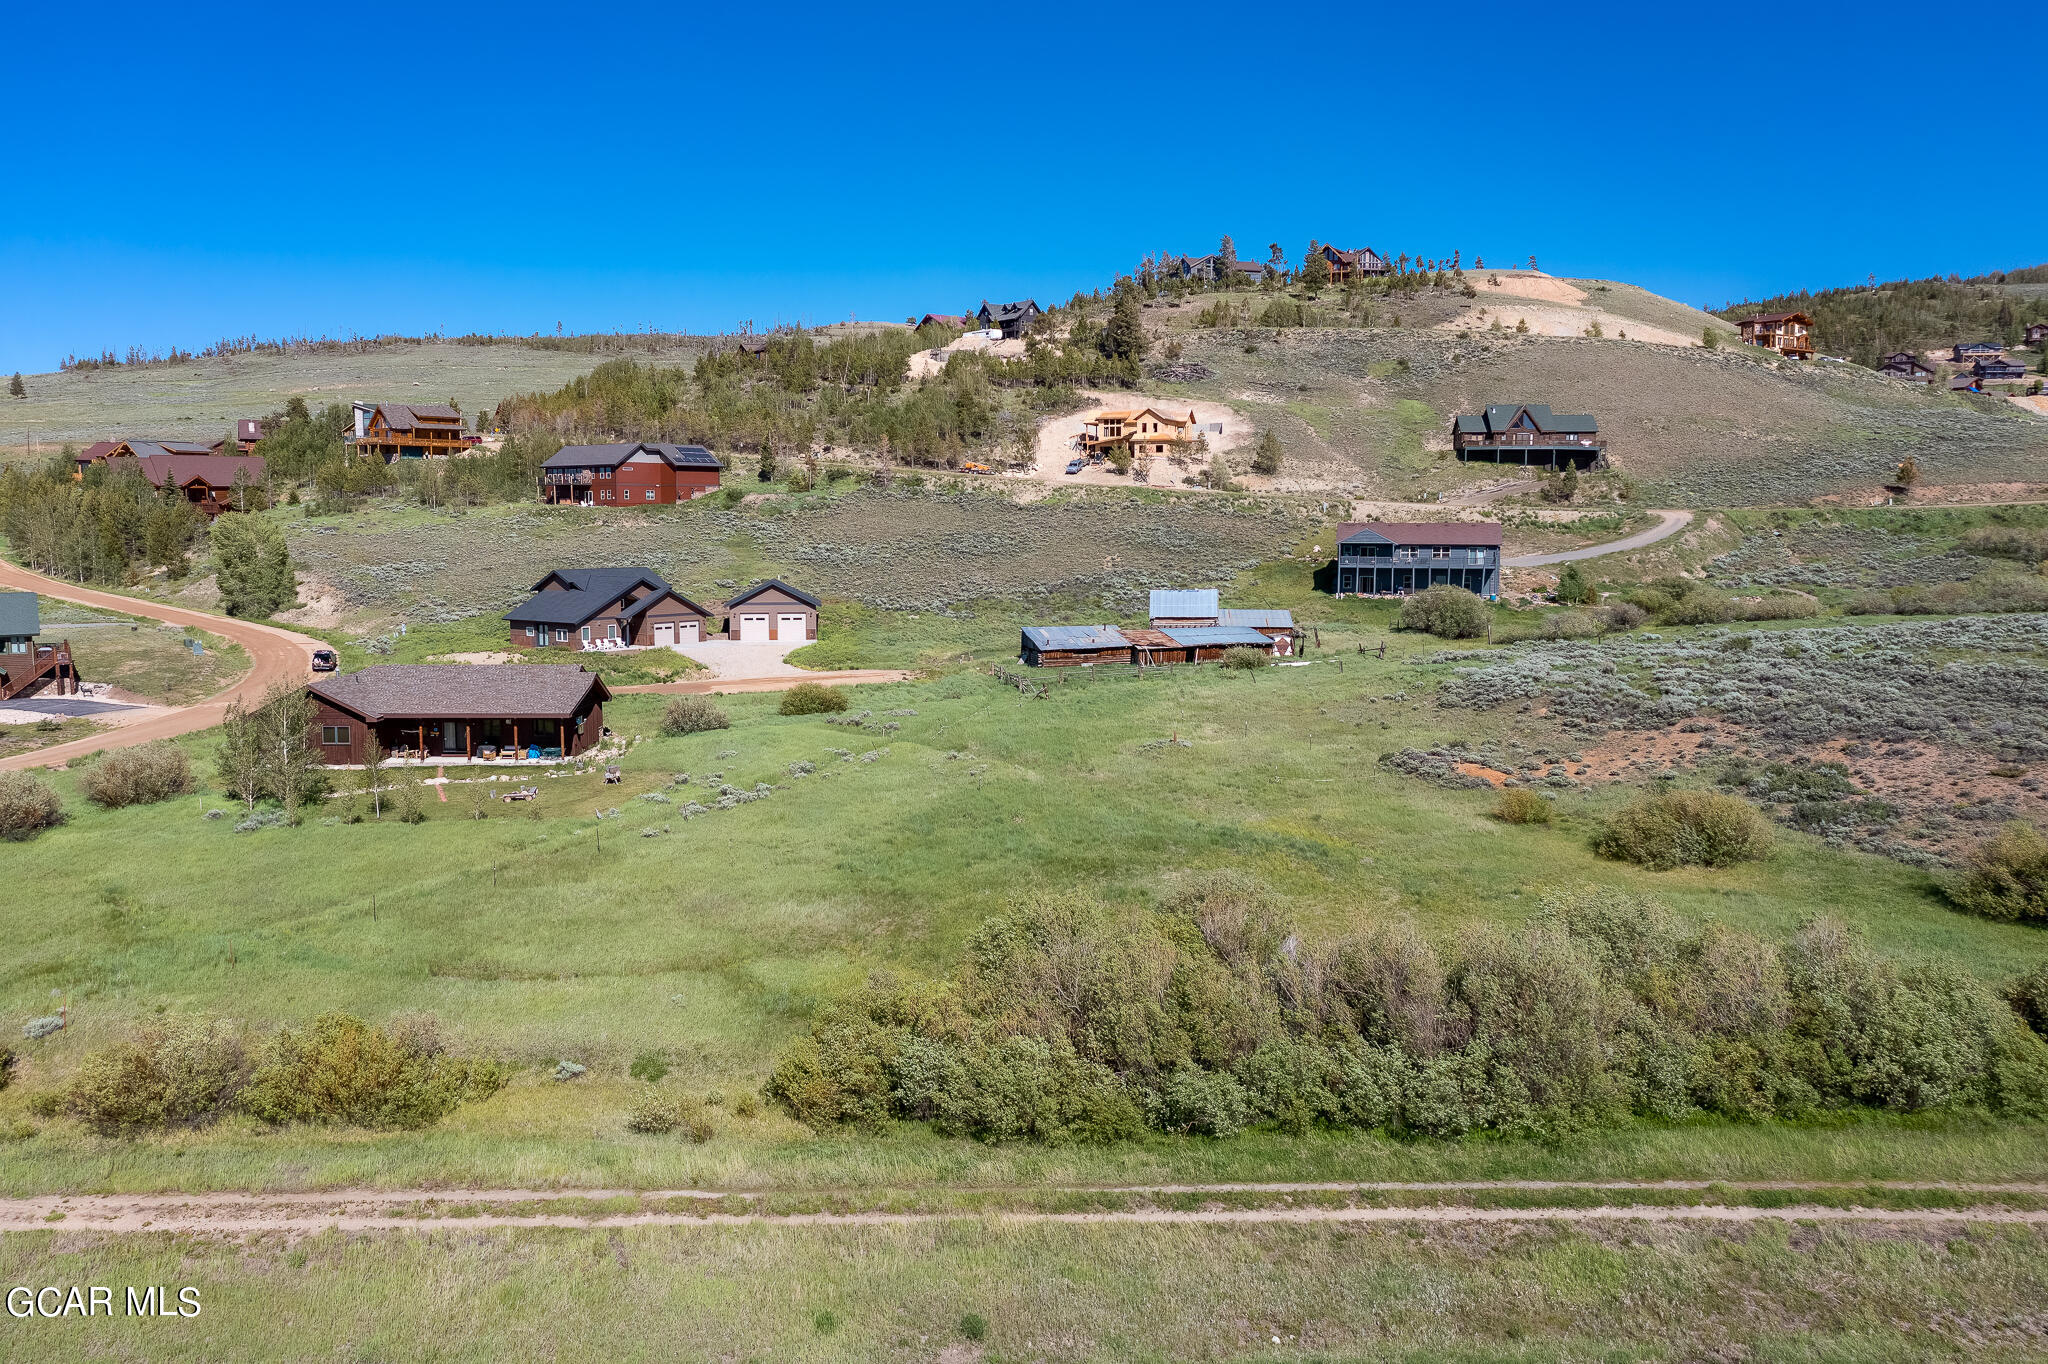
x=637 y=474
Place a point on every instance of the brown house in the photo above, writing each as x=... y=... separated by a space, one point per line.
x=2037 y=332
x=1347 y=266
x=459 y=711
x=635 y=474
x=212 y=483
x=25 y=665
x=407 y=431
x=1905 y=365
x=1786 y=333
x=769 y=611
x=596 y=608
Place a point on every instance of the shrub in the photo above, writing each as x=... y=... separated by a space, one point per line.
x=6 y=1066
x=1624 y=615
x=2028 y=544
x=974 y=1326
x=27 y=807
x=2028 y=996
x=343 y=1070
x=1575 y=588
x=1778 y=606
x=1446 y=612
x=1202 y=1102
x=649 y=1066
x=657 y=1114
x=1520 y=806
x=692 y=715
x=811 y=698
x=1701 y=606
x=138 y=776
x=1868 y=603
x=2005 y=877
x=1686 y=829
x=1244 y=658
x=181 y=1071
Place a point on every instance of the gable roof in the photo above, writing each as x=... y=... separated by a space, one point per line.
x=462 y=691
x=1184 y=603
x=758 y=588
x=611 y=456
x=1076 y=637
x=945 y=319
x=411 y=416
x=1773 y=317
x=1500 y=417
x=1421 y=532
x=216 y=471
x=19 y=615
x=586 y=592
x=1979 y=348
x=1004 y=311
x=99 y=449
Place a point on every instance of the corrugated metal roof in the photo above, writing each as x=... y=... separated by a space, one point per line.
x=1076 y=637
x=1252 y=617
x=1422 y=532
x=1216 y=634
x=1184 y=603
x=18 y=614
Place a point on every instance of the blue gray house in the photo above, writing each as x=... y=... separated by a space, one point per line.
x=1395 y=558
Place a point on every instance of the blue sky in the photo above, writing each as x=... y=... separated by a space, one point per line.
x=175 y=174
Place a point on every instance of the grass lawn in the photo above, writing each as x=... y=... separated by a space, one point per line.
x=545 y=933
x=144 y=658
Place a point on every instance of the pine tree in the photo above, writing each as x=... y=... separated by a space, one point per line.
x=1315 y=268
x=1266 y=456
x=15 y=387
x=253 y=566
x=1124 y=337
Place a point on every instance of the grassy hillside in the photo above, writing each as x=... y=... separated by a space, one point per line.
x=1864 y=321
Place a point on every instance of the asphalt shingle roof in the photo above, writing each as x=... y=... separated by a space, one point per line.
x=1422 y=532
x=611 y=456
x=463 y=691
x=590 y=591
x=18 y=614
x=758 y=588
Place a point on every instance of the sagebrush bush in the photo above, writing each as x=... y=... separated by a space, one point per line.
x=142 y=775
x=1245 y=658
x=811 y=698
x=1446 y=612
x=1702 y=606
x=2028 y=996
x=692 y=715
x=1778 y=606
x=2005 y=877
x=2028 y=544
x=657 y=1113
x=1686 y=829
x=340 y=1069
x=1624 y=615
x=1069 y=1021
x=180 y=1071
x=1521 y=806
x=27 y=807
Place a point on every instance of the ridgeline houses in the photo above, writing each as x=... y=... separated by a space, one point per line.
x=1789 y=334
x=1184 y=626
x=392 y=431
x=1396 y=558
x=1529 y=434
x=212 y=481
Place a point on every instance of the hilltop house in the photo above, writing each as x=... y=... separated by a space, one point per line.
x=1395 y=558
x=590 y=608
x=944 y=320
x=1346 y=266
x=100 y=451
x=1142 y=431
x=25 y=665
x=1531 y=433
x=212 y=483
x=769 y=611
x=1906 y=365
x=1971 y=351
x=1786 y=333
x=2037 y=333
x=637 y=473
x=1998 y=369
x=456 y=712
x=1011 y=319
x=409 y=431
x=1211 y=266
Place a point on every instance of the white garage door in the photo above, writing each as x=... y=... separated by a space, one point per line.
x=686 y=632
x=664 y=634
x=753 y=629
x=791 y=627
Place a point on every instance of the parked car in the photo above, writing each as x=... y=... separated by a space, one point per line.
x=325 y=661
x=1076 y=465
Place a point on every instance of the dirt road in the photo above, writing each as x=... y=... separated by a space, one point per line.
x=275 y=655
x=1669 y=523
x=427 y=1209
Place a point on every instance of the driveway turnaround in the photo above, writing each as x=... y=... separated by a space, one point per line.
x=275 y=655
x=1669 y=523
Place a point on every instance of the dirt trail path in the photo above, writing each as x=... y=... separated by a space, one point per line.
x=275 y=655
x=1669 y=523
x=425 y=1209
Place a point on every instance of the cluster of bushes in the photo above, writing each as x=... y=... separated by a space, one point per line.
x=1686 y=829
x=1686 y=601
x=1244 y=658
x=137 y=776
x=339 y=1070
x=2005 y=877
x=1999 y=590
x=812 y=698
x=1518 y=805
x=1446 y=612
x=692 y=715
x=27 y=807
x=2028 y=544
x=1069 y=1021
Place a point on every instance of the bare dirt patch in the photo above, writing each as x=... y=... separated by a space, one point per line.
x=1057 y=437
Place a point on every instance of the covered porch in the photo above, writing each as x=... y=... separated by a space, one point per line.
x=481 y=740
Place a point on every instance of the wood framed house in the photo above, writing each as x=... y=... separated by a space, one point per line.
x=1070 y=646
x=1906 y=365
x=2037 y=333
x=1083 y=646
x=1969 y=352
x=1788 y=334
x=1212 y=267
x=1011 y=319
x=25 y=665
x=1142 y=431
x=100 y=451
x=410 y=431
x=1998 y=369
x=751 y=344
x=457 y=712
x=1348 y=266
x=1965 y=382
x=595 y=608
x=771 y=611
x=633 y=474
x=1528 y=434
x=944 y=320
x=212 y=483
x=1396 y=558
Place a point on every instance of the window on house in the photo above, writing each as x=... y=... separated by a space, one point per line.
x=1404 y=551
x=334 y=735
x=1440 y=552
x=650 y=494
x=529 y=632
x=611 y=630
x=1477 y=556
x=561 y=636
x=586 y=634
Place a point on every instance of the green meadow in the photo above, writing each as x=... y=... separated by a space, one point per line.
x=547 y=932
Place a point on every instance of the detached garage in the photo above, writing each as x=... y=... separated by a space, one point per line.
x=772 y=612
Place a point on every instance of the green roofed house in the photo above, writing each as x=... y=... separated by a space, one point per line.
x=25 y=665
x=1529 y=434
